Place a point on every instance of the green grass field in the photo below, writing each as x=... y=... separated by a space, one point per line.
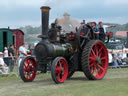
x=115 y=83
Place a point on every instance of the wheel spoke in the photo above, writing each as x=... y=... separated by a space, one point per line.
x=91 y=65
x=96 y=51
x=28 y=61
x=97 y=67
x=101 y=67
x=103 y=58
x=60 y=63
x=58 y=68
x=100 y=49
x=58 y=76
x=92 y=58
x=25 y=66
x=92 y=70
x=94 y=67
x=25 y=69
x=99 y=54
x=97 y=72
x=93 y=52
x=28 y=75
x=91 y=61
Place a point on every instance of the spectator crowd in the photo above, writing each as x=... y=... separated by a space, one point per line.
x=118 y=59
x=12 y=56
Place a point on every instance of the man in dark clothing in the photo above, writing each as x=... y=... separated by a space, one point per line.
x=54 y=33
x=102 y=34
x=102 y=30
x=11 y=54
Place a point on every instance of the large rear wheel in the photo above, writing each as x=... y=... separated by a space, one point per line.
x=28 y=69
x=94 y=60
x=59 y=70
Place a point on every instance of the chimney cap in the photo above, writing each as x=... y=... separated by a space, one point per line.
x=45 y=8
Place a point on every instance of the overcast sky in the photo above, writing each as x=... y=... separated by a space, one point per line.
x=16 y=13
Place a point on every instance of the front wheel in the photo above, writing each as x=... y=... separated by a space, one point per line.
x=59 y=70
x=28 y=69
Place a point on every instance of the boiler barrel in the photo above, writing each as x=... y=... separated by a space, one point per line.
x=62 y=50
x=44 y=51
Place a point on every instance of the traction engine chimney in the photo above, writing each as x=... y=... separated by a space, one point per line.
x=45 y=21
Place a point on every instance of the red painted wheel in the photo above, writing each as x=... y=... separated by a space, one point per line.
x=95 y=60
x=59 y=70
x=28 y=69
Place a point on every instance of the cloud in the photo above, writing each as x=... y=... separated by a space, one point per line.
x=20 y=12
x=88 y=8
x=59 y=7
x=21 y=3
x=67 y=4
x=116 y=2
x=27 y=12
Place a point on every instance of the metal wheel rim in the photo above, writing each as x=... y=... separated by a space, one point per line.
x=98 y=60
x=28 y=65
x=61 y=71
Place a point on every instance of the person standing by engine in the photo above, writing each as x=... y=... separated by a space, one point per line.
x=82 y=25
x=12 y=60
x=3 y=66
x=96 y=30
x=22 y=53
x=54 y=34
x=6 y=58
x=102 y=30
x=23 y=50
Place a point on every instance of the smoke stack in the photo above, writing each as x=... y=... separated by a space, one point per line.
x=45 y=21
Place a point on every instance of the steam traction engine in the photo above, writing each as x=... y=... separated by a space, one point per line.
x=66 y=53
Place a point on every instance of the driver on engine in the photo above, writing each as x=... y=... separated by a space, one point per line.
x=102 y=30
